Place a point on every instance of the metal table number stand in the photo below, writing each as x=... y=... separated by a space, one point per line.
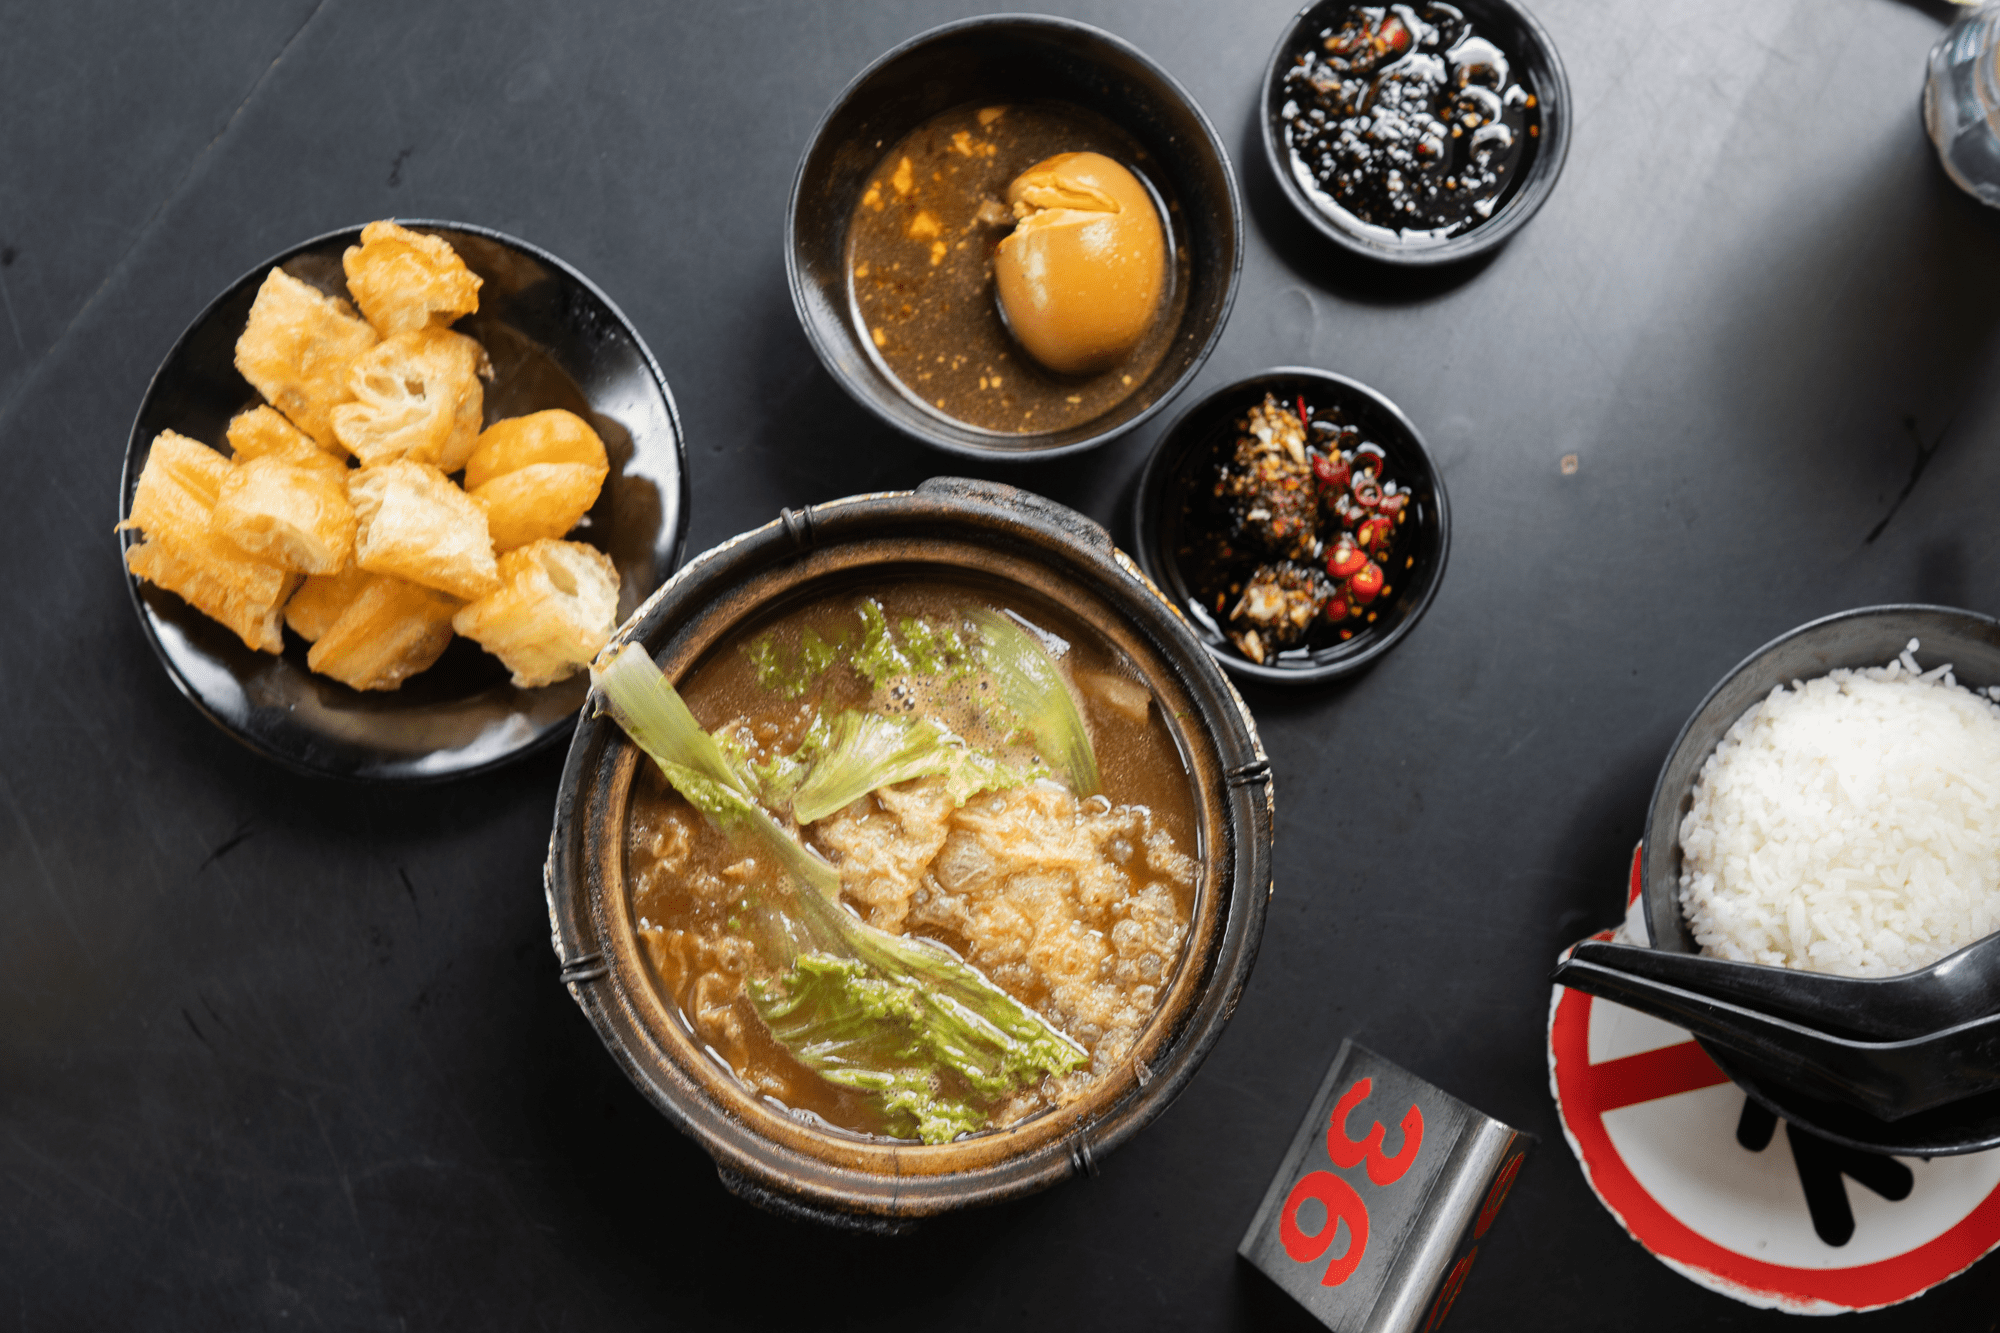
x=1413 y=1216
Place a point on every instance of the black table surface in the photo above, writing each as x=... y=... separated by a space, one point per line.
x=286 y=1054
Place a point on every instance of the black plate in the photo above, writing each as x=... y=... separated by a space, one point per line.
x=555 y=341
x=1868 y=636
x=1180 y=463
x=1537 y=67
x=1010 y=57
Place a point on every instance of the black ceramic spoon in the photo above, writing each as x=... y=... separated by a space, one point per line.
x=1888 y=1079
x=1958 y=989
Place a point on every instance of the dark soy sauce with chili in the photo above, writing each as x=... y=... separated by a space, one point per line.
x=1291 y=530
x=1404 y=123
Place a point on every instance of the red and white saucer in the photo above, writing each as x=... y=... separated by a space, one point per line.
x=1717 y=1189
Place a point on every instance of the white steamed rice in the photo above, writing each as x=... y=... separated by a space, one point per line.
x=1849 y=824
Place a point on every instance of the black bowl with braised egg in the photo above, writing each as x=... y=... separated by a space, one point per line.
x=1014 y=236
x=1417 y=134
x=1298 y=521
x=380 y=543
x=1097 y=898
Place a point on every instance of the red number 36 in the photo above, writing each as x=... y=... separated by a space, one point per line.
x=1341 y=1201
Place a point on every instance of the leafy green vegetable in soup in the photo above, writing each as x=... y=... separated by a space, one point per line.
x=1032 y=688
x=879 y=658
x=923 y=715
x=792 y=674
x=869 y=750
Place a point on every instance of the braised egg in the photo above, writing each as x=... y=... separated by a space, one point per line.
x=1080 y=278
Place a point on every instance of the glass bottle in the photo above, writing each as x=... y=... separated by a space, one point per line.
x=1962 y=102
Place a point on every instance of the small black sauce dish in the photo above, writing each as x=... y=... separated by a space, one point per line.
x=555 y=340
x=1534 y=65
x=1178 y=483
x=1002 y=58
x=1866 y=637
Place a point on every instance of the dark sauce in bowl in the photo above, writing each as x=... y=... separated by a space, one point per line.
x=1405 y=123
x=1291 y=530
x=1215 y=517
x=920 y=250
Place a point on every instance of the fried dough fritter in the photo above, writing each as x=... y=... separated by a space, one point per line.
x=556 y=606
x=182 y=552
x=321 y=600
x=243 y=597
x=296 y=350
x=263 y=432
x=417 y=396
x=537 y=502
x=370 y=564
x=554 y=436
x=390 y=631
x=413 y=523
x=537 y=475
x=404 y=280
x=292 y=512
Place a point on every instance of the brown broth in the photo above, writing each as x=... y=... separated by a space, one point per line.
x=920 y=267
x=688 y=887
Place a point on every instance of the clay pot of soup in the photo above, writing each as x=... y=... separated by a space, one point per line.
x=1124 y=920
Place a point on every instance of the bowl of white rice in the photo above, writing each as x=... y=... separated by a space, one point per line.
x=1833 y=806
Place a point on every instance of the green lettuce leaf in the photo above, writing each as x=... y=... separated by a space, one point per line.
x=879 y=658
x=916 y=648
x=745 y=820
x=862 y=1032
x=653 y=714
x=869 y=750
x=792 y=674
x=778 y=777
x=937 y=651
x=1032 y=690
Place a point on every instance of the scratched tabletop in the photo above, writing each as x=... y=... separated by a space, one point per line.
x=280 y=1053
